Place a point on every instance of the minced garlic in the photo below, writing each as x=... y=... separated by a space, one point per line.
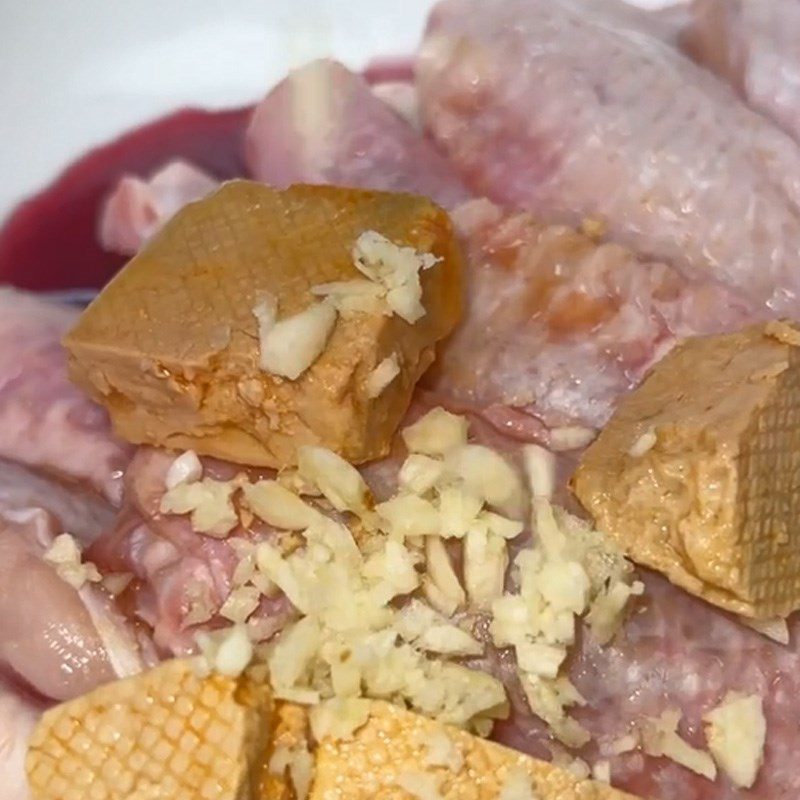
x=601 y=771
x=340 y=482
x=299 y=763
x=440 y=584
x=659 y=737
x=422 y=626
x=240 y=603
x=571 y=437
x=436 y=433
x=397 y=269
x=377 y=617
x=485 y=565
x=208 y=501
x=420 y=473
x=288 y=347
x=488 y=476
x=409 y=515
x=382 y=375
x=736 y=731
x=186 y=468
x=65 y=556
x=393 y=280
x=228 y=652
x=278 y=506
x=643 y=444
x=569 y=571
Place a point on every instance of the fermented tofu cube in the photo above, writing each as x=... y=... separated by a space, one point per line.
x=697 y=475
x=392 y=749
x=164 y=728
x=171 y=345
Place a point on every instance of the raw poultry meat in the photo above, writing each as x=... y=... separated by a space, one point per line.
x=181 y=578
x=57 y=641
x=565 y=325
x=323 y=124
x=84 y=514
x=46 y=421
x=752 y=44
x=137 y=208
x=552 y=106
x=677 y=652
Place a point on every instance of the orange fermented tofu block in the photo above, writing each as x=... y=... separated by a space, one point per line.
x=697 y=474
x=393 y=747
x=163 y=735
x=171 y=347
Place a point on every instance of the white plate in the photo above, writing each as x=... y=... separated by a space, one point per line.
x=75 y=72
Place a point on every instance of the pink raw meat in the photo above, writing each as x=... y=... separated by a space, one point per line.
x=137 y=208
x=392 y=80
x=323 y=124
x=677 y=652
x=172 y=563
x=47 y=422
x=83 y=513
x=558 y=326
x=402 y=97
x=58 y=641
x=557 y=107
x=752 y=44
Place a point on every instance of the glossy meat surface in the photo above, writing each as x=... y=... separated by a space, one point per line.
x=58 y=641
x=557 y=107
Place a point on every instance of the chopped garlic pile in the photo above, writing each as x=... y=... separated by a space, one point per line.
x=65 y=556
x=392 y=284
x=352 y=642
x=388 y=616
x=570 y=571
